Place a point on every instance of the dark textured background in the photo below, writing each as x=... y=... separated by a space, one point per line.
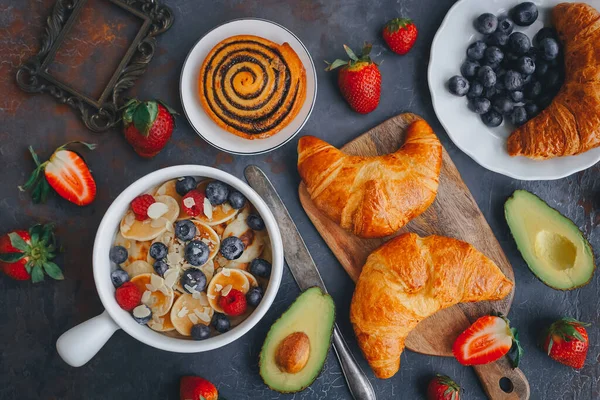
x=32 y=317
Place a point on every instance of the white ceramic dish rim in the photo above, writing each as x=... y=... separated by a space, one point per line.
x=483 y=162
x=312 y=105
x=102 y=265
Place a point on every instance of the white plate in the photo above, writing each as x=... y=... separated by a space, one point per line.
x=204 y=125
x=486 y=145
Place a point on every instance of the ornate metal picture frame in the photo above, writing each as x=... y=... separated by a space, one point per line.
x=102 y=113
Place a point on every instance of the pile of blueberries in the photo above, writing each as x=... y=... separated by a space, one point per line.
x=505 y=75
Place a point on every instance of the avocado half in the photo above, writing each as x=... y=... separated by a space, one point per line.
x=553 y=247
x=313 y=314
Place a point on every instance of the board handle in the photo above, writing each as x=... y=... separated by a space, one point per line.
x=501 y=382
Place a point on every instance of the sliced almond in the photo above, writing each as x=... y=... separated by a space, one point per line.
x=146 y=296
x=183 y=312
x=150 y=287
x=156 y=281
x=171 y=277
x=141 y=311
x=157 y=210
x=218 y=287
x=193 y=318
x=189 y=202
x=208 y=209
x=226 y=290
x=226 y=272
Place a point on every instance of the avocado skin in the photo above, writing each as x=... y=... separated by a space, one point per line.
x=566 y=220
x=275 y=325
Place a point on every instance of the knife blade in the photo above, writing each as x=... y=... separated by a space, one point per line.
x=305 y=272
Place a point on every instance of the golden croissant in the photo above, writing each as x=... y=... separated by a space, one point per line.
x=373 y=196
x=571 y=123
x=408 y=279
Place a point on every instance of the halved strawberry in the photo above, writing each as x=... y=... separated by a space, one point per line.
x=487 y=340
x=66 y=173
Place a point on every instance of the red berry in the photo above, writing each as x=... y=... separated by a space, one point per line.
x=194 y=206
x=140 y=205
x=128 y=296
x=234 y=303
x=400 y=35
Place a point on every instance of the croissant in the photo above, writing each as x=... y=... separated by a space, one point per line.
x=408 y=279
x=571 y=123
x=373 y=196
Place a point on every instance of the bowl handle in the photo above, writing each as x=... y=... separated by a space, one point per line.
x=79 y=344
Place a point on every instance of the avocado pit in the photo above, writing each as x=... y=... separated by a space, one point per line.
x=293 y=352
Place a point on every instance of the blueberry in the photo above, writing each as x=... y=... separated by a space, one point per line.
x=185 y=184
x=158 y=250
x=232 y=248
x=119 y=277
x=255 y=222
x=524 y=14
x=499 y=86
x=193 y=280
x=118 y=254
x=513 y=80
x=497 y=39
x=492 y=119
x=517 y=96
x=525 y=65
x=217 y=193
x=469 y=68
x=518 y=116
x=254 y=296
x=236 y=199
x=476 y=50
x=185 y=230
x=200 y=332
x=503 y=105
x=486 y=76
x=458 y=85
x=486 y=23
x=142 y=314
x=489 y=93
x=549 y=49
x=552 y=79
x=221 y=322
x=196 y=252
x=479 y=105
x=260 y=267
x=544 y=33
x=527 y=79
x=533 y=90
x=493 y=55
x=475 y=90
x=519 y=43
x=532 y=109
x=541 y=67
x=505 y=25
x=160 y=267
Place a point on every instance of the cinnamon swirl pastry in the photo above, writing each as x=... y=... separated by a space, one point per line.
x=251 y=86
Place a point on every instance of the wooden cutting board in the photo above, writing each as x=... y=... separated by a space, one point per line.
x=454 y=213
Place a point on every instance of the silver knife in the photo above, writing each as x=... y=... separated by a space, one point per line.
x=306 y=274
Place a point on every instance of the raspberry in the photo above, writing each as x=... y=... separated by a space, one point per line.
x=140 y=205
x=234 y=303
x=128 y=296
x=195 y=205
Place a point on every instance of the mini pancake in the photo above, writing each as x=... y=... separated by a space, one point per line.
x=207 y=235
x=149 y=229
x=135 y=250
x=188 y=311
x=221 y=213
x=168 y=189
x=138 y=267
x=163 y=324
x=222 y=262
x=251 y=279
x=253 y=240
x=160 y=298
x=221 y=281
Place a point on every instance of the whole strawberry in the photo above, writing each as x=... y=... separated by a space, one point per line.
x=567 y=342
x=400 y=35
x=359 y=80
x=196 y=388
x=27 y=255
x=148 y=126
x=441 y=387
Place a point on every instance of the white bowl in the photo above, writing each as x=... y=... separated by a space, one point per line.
x=204 y=125
x=81 y=343
x=487 y=146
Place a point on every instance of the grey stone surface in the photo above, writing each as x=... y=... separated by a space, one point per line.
x=32 y=317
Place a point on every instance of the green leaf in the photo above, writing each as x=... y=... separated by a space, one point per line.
x=170 y=109
x=11 y=257
x=337 y=63
x=144 y=116
x=366 y=50
x=34 y=156
x=350 y=53
x=48 y=235
x=516 y=348
x=28 y=267
x=36 y=233
x=17 y=242
x=37 y=275
x=90 y=146
x=41 y=192
x=53 y=270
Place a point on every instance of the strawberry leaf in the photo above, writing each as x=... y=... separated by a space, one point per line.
x=337 y=63
x=37 y=275
x=53 y=270
x=144 y=116
x=350 y=53
x=170 y=109
x=11 y=257
x=17 y=242
x=516 y=348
